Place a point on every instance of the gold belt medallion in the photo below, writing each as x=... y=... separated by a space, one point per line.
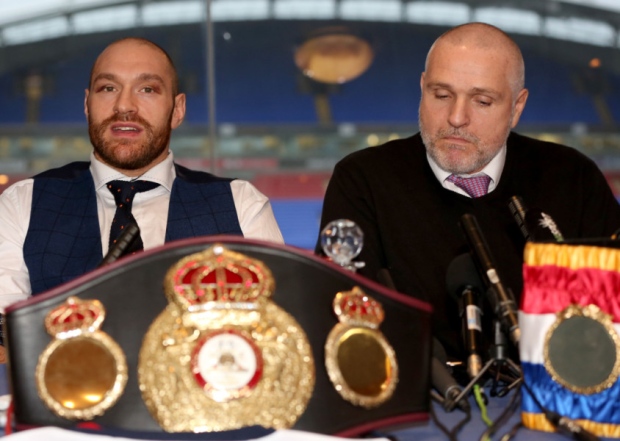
x=360 y=362
x=222 y=355
x=82 y=372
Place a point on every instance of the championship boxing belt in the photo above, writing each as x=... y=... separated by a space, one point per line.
x=222 y=355
x=222 y=333
x=570 y=319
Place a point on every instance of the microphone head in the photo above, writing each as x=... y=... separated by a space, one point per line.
x=519 y=211
x=124 y=243
x=517 y=207
x=533 y=223
x=462 y=273
x=439 y=351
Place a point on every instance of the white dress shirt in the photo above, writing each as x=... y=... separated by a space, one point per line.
x=150 y=210
x=493 y=169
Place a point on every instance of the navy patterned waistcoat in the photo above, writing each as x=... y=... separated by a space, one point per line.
x=64 y=239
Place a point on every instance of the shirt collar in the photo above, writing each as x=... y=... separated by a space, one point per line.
x=493 y=169
x=162 y=173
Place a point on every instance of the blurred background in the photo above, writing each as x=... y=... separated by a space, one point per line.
x=279 y=90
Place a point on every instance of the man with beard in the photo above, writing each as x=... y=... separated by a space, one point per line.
x=406 y=196
x=57 y=225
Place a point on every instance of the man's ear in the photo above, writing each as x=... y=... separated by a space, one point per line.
x=519 y=106
x=86 y=93
x=178 y=113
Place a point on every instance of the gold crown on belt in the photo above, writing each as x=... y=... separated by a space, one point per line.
x=357 y=308
x=219 y=278
x=75 y=317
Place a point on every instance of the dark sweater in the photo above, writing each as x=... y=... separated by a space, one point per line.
x=411 y=223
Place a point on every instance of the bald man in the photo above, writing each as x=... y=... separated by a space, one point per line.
x=408 y=196
x=58 y=225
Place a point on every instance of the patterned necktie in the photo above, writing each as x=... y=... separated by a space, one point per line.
x=124 y=192
x=475 y=186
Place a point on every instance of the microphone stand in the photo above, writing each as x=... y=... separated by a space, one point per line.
x=500 y=362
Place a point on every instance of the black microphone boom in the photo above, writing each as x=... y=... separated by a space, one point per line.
x=129 y=235
x=500 y=296
x=385 y=278
x=444 y=382
x=465 y=286
x=534 y=224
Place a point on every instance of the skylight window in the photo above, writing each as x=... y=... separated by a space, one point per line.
x=610 y=5
x=166 y=13
x=119 y=17
x=580 y=30
x=231 y=10
x=511 y=19
x=384 y=10
x=304 y=9
x=438 y=13
x=36 y=31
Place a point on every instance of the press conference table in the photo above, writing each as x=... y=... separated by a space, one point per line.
x=427 y=431
x=420 y=432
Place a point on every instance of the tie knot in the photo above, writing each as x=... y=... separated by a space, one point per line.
x=475 y=186
x=124 y=191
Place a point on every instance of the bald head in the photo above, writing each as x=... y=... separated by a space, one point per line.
x=485 y=37
x=137 y=41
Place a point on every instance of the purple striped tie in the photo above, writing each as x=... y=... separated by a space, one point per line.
x=475 y=186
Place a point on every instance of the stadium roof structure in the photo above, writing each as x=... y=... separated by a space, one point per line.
x=589 y=23
x=595 y=22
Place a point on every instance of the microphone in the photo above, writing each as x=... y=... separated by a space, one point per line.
x=444 y=382
x=124 y=242
x=465 y=286
x=441 y=379
x=518 y=210
x=385 y=278
x=500 y=296
x=534 y=224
